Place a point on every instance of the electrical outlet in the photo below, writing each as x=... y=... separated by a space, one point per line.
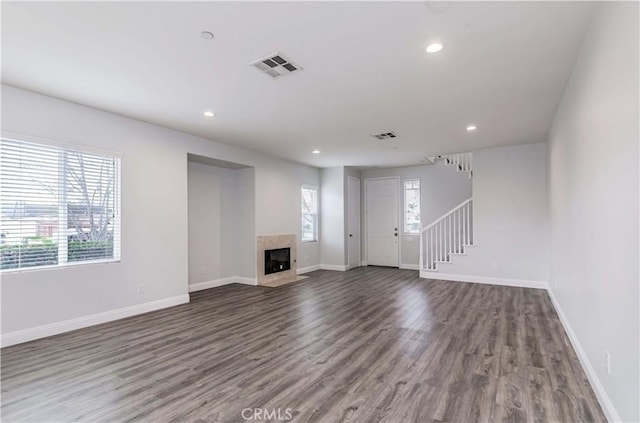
x=607 y=357
x=203 y=270
x=140 y=288
x=495 y=266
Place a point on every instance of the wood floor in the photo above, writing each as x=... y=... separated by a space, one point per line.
x=371 y=344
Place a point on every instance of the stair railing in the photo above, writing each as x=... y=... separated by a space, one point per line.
x=447 y=235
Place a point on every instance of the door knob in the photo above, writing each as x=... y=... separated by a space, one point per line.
x=350 y=235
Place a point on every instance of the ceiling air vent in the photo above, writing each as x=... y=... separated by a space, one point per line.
x=385 y=135
x=276 y=65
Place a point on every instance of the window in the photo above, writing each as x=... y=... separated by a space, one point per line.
x=412 y=206
x=57 y=206
x=309 y=214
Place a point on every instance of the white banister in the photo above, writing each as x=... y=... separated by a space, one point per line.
x=447 y=235
x=463 y=162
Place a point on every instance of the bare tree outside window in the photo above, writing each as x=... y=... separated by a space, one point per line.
x=57 y=205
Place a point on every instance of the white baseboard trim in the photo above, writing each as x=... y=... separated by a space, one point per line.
x=303 y=270
x=598 y=388
x=210 y=284
x=364 y=263
x=338 y=267
x=25 y=335
x=410 y=266
x=521 y=283
x=222 y=281
x=245 y=281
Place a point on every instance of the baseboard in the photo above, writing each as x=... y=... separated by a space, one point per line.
x=364 y=263
x=410 y=266
x=222 y=281
x=245 y=281
x=18 y=337
x=598 y=388
x=338 y=267
x=303 y=270
x=521 y=283
x=210 y=284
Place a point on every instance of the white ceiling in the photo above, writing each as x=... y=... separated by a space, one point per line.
x=504 y=67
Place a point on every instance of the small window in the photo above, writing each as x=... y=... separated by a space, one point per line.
x=309 y=214
x=412 y=206
x=58 y=206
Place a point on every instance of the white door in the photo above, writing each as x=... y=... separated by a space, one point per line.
x=353 y=221
x=382 y=208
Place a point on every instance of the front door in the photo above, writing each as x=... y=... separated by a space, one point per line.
x=382 y=210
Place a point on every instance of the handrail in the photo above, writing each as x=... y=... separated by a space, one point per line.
x=446 y=214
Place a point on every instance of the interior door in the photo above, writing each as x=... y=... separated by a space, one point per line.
x=382 y=212
x=353 y=221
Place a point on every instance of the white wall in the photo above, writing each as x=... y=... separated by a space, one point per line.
x=441 y=189
x=593 y=187
x=332 y=218
x=510 y=226
x=154 y=211
x=221 y=223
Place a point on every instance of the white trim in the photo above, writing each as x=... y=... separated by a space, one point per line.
x=199 y=286
x=338 y=267
x=25 y=335
x=522 y=283
x=410 y=266
x=245 y=281
x=598 y=388
x=363 y=263
x=303 y=270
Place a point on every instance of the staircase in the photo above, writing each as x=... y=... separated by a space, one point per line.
x=452 y=233
x=449 y=235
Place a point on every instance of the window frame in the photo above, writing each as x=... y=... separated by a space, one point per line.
x=117 y=219
x=316 y=223
x=404 y=205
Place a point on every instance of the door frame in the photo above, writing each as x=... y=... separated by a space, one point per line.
x=365 y=236
x=360 y=261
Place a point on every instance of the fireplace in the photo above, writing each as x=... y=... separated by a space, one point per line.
x=278 y=260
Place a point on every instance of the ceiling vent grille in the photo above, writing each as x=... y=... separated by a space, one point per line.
x=385 y=135
x=276 y=65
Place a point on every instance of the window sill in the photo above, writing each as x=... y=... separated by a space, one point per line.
x=307 y=242
x=58 y=266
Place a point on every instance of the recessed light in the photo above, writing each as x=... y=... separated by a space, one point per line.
x=207 y=35
x=471 y=128
x=434 y=47
x=316 y=151
x=209 y=114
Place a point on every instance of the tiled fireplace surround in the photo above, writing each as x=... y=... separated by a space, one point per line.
x=271 y=242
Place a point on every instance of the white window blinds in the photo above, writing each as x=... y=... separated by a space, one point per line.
x=58 y=206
